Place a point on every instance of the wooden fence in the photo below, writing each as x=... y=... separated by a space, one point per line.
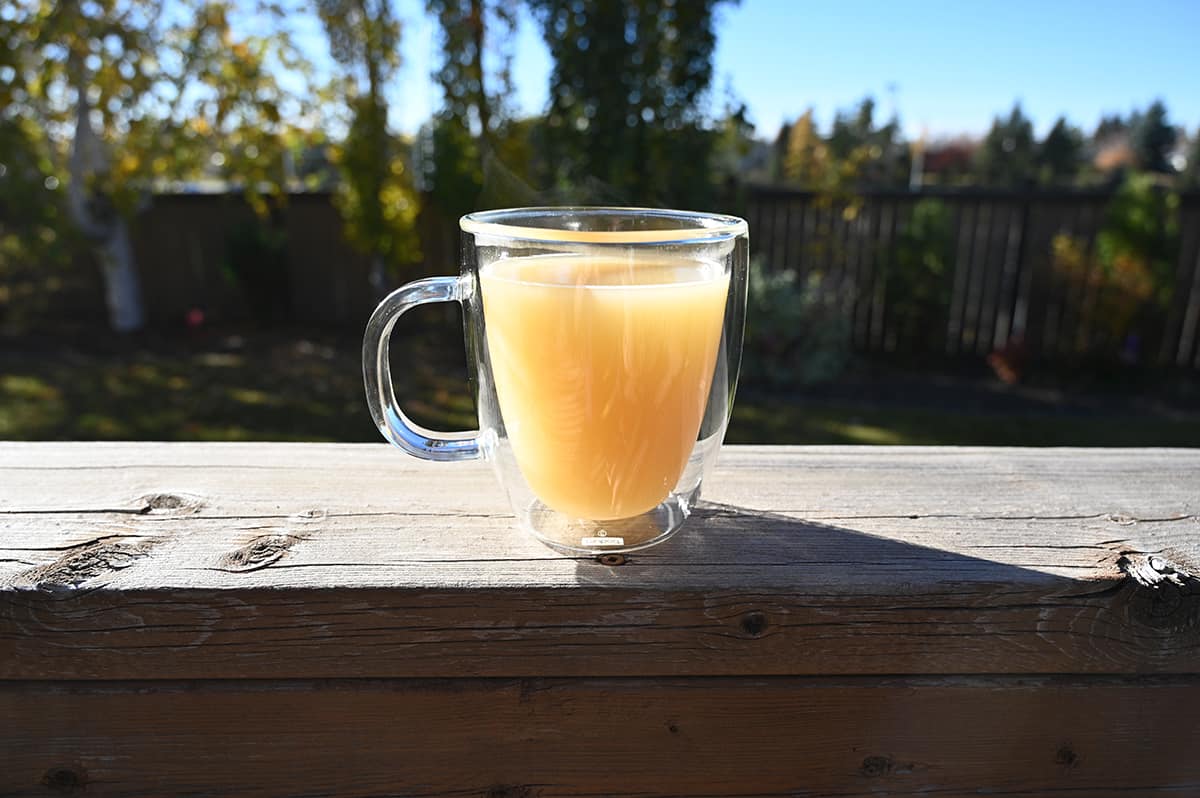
x=1002 y=286
x=184 y=245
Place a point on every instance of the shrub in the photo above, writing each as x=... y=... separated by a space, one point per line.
x=1131 y=273
x=797 y=330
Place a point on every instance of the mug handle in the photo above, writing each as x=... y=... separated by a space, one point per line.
x=389 y=418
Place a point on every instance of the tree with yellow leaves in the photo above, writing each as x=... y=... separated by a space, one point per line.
x=119 y=98
x=376 y=194
x=806 y=160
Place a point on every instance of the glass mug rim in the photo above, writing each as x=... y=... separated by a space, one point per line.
x=552 y=224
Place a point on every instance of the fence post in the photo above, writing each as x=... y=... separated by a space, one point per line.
x=1039 y=292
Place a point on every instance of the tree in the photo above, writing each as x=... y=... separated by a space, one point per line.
x=68 y=75
x=863 y=153
x=35 y=235
x=852 y=129
x=474 y=115
x=807 y=160
x=779 y=150
x=116 y=101
x=734 y=143
x=1110 y=125
x=1007 y=155
x=1060 y=153
x=472 y=96
x=376 y=195
x=628 y=95
x=1153 y=138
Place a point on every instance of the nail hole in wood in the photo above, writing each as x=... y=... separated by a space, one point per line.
x=1066 y=756
x=874 y=766
x=754 y=624
x=64 y=780
x=509 y=791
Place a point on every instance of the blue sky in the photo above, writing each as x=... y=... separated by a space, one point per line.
x=947 y=67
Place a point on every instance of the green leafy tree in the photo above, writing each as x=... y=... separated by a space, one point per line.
x=1108 y=126
x=779 y=149
x=35 y=240
x=628 y=96
x=1060 y=153
x=112 y=100
x=852 y=129
x=66 y=83
x=1153 y=138
x=1007 y=155
x=376 y=195
x=866 y=154
x=734 y=141
x=473 y=119
x=473 y=96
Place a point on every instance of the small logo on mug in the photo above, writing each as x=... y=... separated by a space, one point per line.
x=602 y=541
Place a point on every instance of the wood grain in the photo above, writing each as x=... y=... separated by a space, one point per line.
x=613 y=737
x=268 y=619
x=162 y=561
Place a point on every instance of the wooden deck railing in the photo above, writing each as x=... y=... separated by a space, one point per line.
x=304 y=619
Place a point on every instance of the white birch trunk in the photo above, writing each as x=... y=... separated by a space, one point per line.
x=101 y=223
x=377 y=277
x=122 y=287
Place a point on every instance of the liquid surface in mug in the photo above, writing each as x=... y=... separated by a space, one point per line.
x=602 y=367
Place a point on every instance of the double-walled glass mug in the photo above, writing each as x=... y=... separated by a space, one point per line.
x=604 y=346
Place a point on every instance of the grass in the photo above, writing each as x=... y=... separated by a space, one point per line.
x=778 y=421
x=263 y=387
x=301 y=385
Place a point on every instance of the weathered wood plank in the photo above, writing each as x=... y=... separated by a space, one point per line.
x=820 y=482
x=126 y=561
x=615 y=737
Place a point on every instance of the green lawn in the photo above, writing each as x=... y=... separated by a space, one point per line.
x=301 y=386
x=779 y=421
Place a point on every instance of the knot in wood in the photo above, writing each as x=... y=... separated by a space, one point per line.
x=85 y=562
x=754 y=624
x=874 y=766
x=258 y=553
x=168 y=504
x=1166 y=595
x=612 y=559
x=65 y=780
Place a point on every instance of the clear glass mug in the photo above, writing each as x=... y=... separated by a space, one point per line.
x=604 y=346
